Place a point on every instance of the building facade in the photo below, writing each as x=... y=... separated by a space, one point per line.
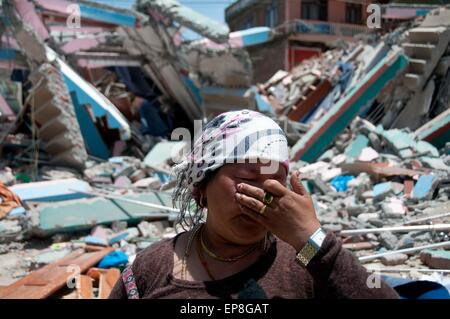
x=304 y=28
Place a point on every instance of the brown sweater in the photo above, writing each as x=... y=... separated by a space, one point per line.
x=333 y=273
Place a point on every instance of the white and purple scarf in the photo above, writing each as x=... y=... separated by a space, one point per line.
x=231 y=137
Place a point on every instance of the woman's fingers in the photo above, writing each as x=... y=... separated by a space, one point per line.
x=250 y=190
x=249 y=202
x=251 y=213
x=274 y=187
x=297 y=185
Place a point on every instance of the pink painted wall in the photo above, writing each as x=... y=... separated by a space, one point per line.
x=293 y=9
x=336 y=11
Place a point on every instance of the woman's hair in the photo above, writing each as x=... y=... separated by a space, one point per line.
x=191 y=210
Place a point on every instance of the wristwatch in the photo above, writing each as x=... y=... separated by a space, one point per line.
x=311 y=247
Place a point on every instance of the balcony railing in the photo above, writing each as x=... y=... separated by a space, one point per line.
x=325 y=28
x=238 y=6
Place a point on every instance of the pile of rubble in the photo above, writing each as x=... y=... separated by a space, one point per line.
x=97 y=219
x=383 y=190
x=86 y=117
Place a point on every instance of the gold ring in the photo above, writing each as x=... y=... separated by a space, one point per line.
x=263 y=209
x=268 y=198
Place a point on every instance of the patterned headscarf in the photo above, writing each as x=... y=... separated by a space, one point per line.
x=231 y=137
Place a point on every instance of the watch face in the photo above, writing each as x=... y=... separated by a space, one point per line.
x=321 y=236
x=318 y=239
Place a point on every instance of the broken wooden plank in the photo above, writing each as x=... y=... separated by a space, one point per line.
x=378 y=169
x=55 y=274
x=317 y=94
x=107 y=282
x=85 y=287
x=107 y=279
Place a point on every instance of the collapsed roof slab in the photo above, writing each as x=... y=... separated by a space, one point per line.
x=187 y=18
x=27 y=11
x=238 y=39
x=83 y=214
x=90 y=11
x=165 y=72
x=317 y=139
x=436 y=131
x=88 y=94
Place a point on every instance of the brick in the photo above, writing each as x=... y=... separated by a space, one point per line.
x=439 y=259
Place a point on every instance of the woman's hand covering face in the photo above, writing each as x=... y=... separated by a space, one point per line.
x=290 y=216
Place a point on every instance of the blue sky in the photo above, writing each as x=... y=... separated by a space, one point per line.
x=214 y=9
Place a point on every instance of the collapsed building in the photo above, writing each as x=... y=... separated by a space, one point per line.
x=87 y=109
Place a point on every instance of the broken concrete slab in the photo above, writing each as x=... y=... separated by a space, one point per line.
x=166 y=152
x=329 y=174
x=90 y=10
x=86 y=93
x=237 y=39
x=393 y=208
x=436 y=131
x=382 y=190
x=388 y=240
x=149 y=182
x=425 y=187
x=368 y=154
x=83 y=214
x=357 y=146
x=149 y=230
x=48 y=191
x=425 y=148
x=365 y=217
x=314 y=169
x=316 y=140
x=394 y=259
x=436 y=258
x=398 y=140
x=417 y=108
x=406 y=241
x=28 y=13
x=438 y=17
x=187 y=17
x=434 y=163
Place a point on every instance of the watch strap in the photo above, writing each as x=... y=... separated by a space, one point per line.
x=311 y=247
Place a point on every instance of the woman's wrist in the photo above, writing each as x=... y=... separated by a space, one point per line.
x=300 y=238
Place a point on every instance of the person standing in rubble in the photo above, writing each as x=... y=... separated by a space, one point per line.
x=260 y=237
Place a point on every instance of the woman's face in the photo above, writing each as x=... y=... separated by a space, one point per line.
x=224 y=214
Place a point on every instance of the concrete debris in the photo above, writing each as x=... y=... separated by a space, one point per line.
x=388 y=240
x=93 y=120
x=393 y=260
x=188 y=18
x=436 y=258
x=55 y=116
